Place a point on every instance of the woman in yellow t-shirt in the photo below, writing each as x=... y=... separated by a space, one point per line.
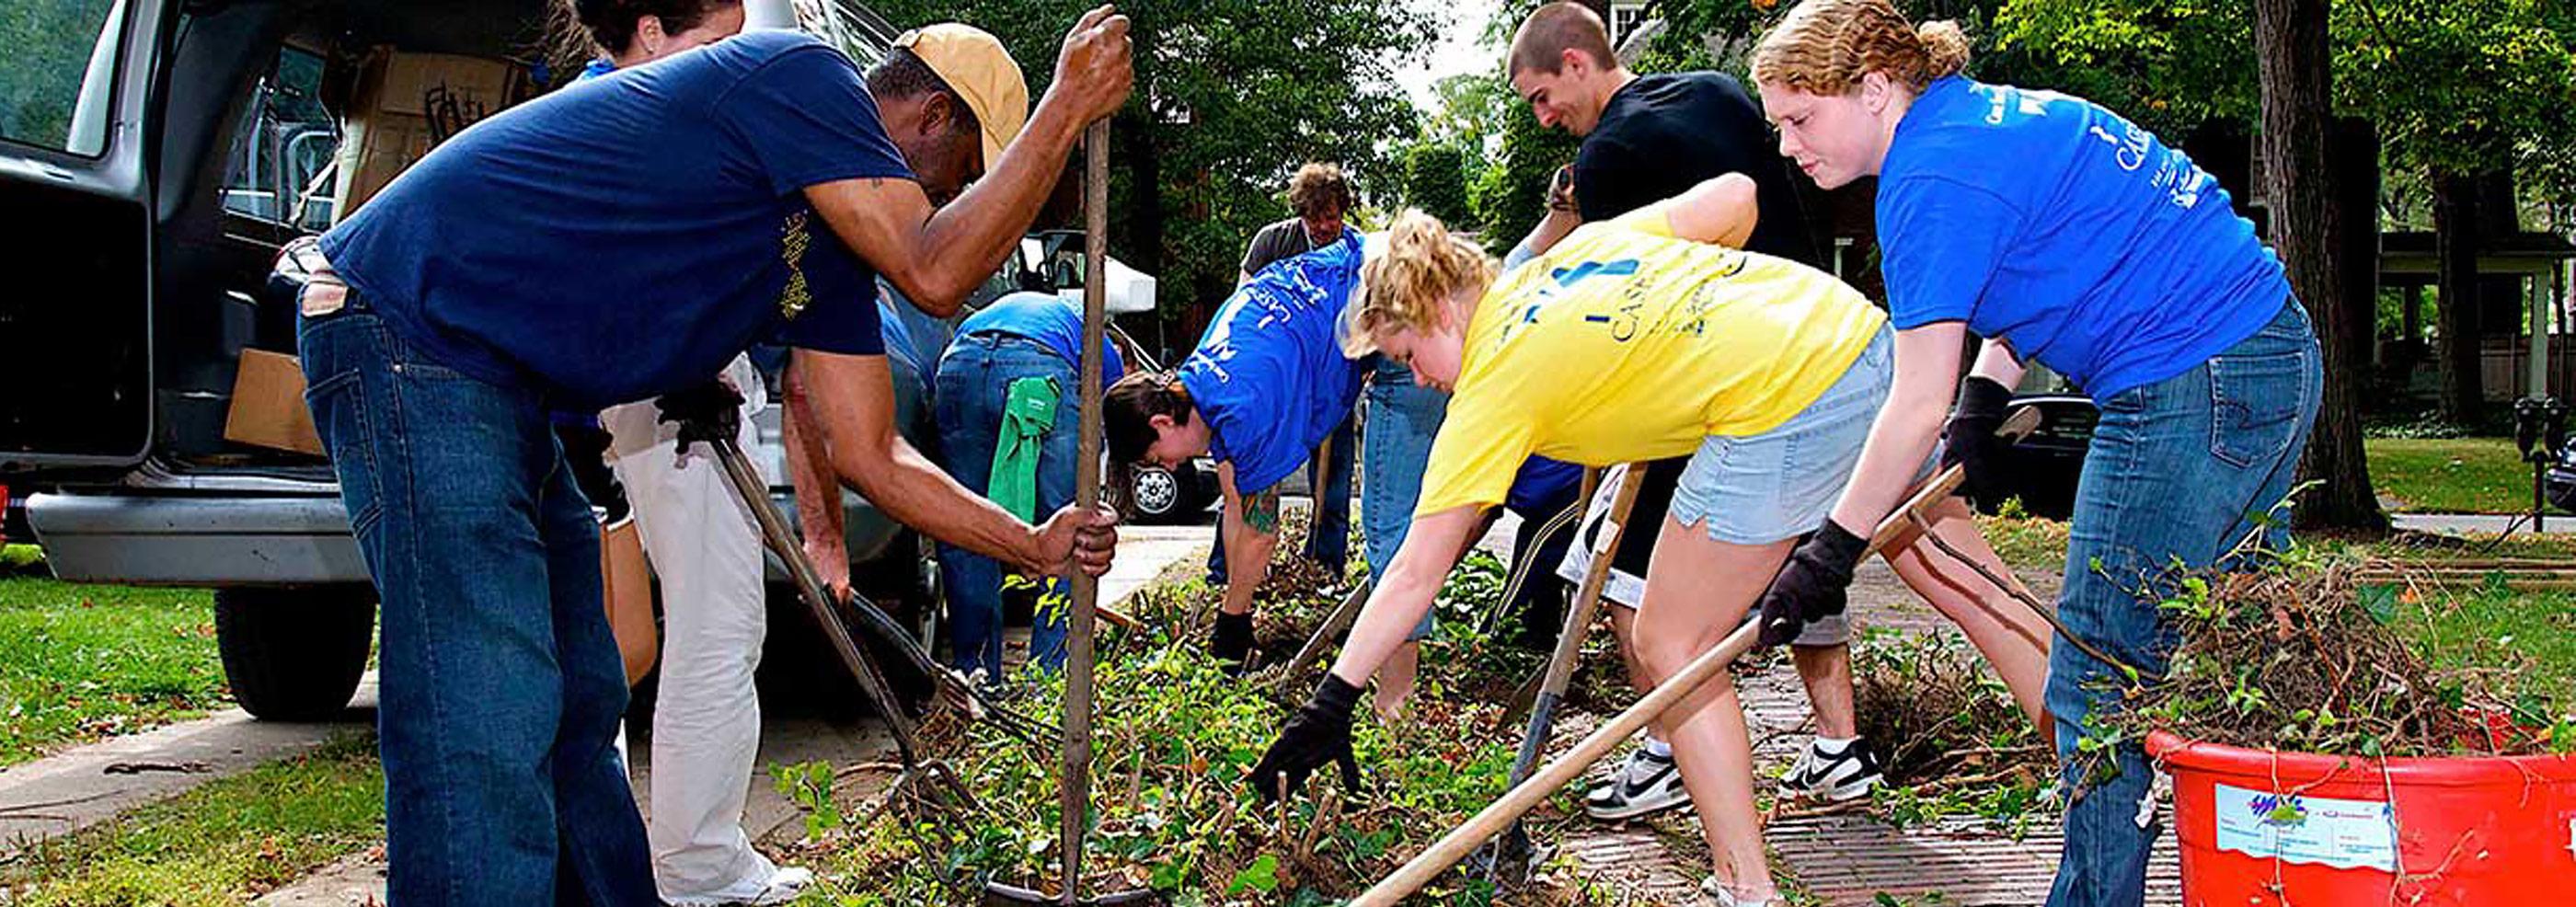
x=1642 y=338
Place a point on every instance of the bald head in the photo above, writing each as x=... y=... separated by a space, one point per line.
x=1540 y=44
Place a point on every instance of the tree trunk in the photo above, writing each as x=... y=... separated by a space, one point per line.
x=2455 y=243
x=2311 y=235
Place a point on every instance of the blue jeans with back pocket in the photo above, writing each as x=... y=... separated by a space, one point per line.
x=973 y=384
x=2185 y=469
x=501 y=687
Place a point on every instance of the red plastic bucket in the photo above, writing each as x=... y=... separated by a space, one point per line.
x=2303 y=830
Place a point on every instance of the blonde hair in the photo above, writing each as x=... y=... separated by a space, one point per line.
x=1824 y=47
x=1404 y=288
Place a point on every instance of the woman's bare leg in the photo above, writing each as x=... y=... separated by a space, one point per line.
x=2014 y=640
x=1698 y=589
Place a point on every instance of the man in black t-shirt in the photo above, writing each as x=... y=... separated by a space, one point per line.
x=1646 y=139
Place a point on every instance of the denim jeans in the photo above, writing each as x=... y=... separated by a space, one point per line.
x=2180 y=470
x=500 y=685
x=974 y=381
x=1403 y=417
x=1328 y=541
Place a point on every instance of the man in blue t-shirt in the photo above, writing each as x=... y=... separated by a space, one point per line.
x=620 y=239
x=1266 y=384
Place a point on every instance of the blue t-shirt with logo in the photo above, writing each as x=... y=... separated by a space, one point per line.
x=626 y=236
x=2069 y=232
x=1269 y=376
x=1053 y=321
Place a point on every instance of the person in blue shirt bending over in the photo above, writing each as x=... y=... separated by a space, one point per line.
x=1266 y=384
x=2065 y=235
x=1008 y=430
x=618 y=240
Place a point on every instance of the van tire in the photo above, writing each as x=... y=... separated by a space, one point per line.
x=294 y=654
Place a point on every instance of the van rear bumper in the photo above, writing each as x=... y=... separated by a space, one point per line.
x=196 y=541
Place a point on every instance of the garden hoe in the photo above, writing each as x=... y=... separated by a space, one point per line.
x=1511 y=859
x=1075 y=781
x=924 y=779
x=1460 y=843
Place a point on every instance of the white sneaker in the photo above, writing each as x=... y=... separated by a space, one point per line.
x=1848 y=774
x=1722 y=896
x=784 y=884
x=1646 y=783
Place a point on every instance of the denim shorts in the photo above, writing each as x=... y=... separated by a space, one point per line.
x=1761 y=488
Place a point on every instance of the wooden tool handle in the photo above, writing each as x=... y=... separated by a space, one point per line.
x=1076 y=779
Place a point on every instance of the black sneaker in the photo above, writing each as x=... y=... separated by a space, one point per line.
x=1848 y=774
x=1646 y=783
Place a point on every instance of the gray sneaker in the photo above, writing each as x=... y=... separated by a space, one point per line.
x=1644 y=784
x=1835 y=777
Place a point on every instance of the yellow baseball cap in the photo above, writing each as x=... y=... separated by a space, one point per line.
x=976 y=67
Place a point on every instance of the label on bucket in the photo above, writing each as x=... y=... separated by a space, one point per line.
x=2347 y=834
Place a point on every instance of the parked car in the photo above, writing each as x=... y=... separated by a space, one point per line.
x=189 y=148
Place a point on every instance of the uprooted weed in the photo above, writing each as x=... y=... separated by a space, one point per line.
x=1173 y=739
x=2323 y=652
x=1954 y=742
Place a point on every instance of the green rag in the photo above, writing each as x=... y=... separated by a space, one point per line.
x=1028 y=413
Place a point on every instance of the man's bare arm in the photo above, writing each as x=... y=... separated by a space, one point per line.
x=853 y=403
x=937 y=257
x=818 y=490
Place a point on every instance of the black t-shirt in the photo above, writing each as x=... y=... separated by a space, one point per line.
x=1277 y=241
x=1659 y=136
x=1663 y=134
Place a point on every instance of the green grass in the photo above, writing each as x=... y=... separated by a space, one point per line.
x=2450 y=475
x=226 y=842
x=2487 y=627
x=81 y=663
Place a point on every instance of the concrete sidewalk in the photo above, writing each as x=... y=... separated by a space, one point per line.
x=2487 y=523
x=86 y=785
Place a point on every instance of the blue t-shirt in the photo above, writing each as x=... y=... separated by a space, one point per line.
x=1269 y=377
x=1053 y=321
x=627 y=236
x=2069 y=232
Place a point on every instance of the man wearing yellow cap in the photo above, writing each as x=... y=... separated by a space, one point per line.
x=618 y=240
x=950 y=99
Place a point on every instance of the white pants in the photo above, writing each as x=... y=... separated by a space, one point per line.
x=706 y=550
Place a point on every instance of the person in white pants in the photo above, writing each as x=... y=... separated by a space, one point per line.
x=705 y=548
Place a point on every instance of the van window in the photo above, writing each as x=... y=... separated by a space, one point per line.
x=283 y=147
x=53 y=49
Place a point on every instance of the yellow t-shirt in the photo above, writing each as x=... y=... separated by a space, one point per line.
x=1625 y=343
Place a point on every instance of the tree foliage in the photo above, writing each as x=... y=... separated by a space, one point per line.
x=1511 y=196
x=1435 y=180
x=49 y=45
x=1231 y=97
x=2467 y=87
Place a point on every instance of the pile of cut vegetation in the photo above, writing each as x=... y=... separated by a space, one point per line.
x=2330 y=653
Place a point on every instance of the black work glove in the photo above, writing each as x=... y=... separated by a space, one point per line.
x=1970 y=440
x=1815 y=584
x=1232 y=643
x=708 y=412
x=1319 y=733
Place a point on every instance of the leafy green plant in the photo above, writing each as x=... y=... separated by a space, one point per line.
x=1173 y=740
x=1956 y=745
